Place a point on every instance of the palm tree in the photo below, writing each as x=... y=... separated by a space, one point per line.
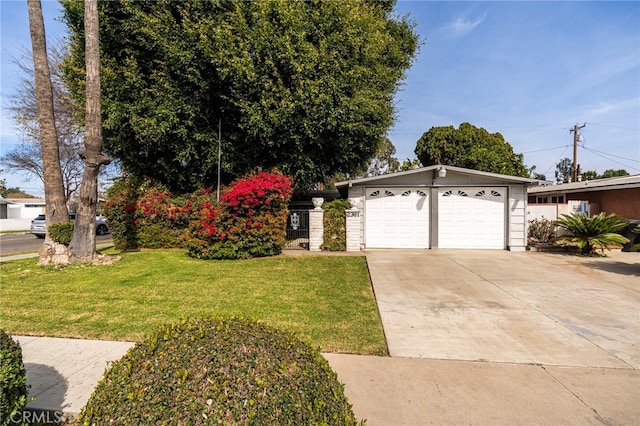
x=591 y=233
x=56 y=207
x=83 y=245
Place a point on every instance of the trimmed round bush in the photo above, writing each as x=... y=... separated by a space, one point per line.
x=219 y=371
x=13 y=379
x=61 y=233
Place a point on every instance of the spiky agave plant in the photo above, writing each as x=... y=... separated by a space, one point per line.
x=591 y=233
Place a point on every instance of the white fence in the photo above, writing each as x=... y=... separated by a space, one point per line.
x=554 y=211
x=15 y=224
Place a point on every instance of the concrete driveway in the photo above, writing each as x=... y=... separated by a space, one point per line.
x=499 y=306
x=500 y=338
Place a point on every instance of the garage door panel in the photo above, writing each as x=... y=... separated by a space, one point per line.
x=396 y=218
x=471 y=217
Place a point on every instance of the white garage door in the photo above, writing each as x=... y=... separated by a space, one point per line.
x=397 y=218
x=471 y=218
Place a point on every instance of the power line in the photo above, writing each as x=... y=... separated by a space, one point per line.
x=611 y=155
x=555 y=163
x=546 y=149
x=604 y=155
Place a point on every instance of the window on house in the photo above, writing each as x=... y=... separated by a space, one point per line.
x=557 y=199
x=543 y=200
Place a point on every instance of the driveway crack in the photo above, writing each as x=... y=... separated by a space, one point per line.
x=576 y=396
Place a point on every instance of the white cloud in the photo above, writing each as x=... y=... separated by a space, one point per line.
x=613 y=106
x=462 y=26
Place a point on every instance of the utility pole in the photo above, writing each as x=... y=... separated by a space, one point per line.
x=576 y=137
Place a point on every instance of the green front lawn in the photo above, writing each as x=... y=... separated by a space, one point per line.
x=325 y=299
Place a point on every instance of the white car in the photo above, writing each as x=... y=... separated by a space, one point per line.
x=39 y=225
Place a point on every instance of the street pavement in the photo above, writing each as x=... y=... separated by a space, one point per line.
x=475 y=337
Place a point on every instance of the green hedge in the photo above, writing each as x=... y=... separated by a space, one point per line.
x=61 y=233
x=142 y=213
x=335 y=226
x=13 y=380
x=219 y=371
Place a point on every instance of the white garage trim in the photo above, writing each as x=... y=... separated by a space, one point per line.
x=472 y=217
x=397 y=217
x=492 y=219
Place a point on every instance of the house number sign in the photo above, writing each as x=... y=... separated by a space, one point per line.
x=351 y=213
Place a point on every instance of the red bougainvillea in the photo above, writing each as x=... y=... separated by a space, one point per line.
x=248 y=221
x=263 y=191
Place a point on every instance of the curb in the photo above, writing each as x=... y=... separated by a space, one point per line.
x=35 y=254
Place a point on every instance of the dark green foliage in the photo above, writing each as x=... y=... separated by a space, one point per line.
x=304 y=86
x=61 y=233
x=609 y=173
x=335 y=226
x=614 y=173
x=13 y=379
x=541 y=231
x=120 y=213
x=470 y=147
x=142 y=213
x=219 y=371
x=636 y=230
x=564 y=170
x=591 y=233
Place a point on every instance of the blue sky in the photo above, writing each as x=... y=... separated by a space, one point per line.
x=529 y=70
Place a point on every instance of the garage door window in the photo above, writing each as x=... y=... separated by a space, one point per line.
x=460 y=193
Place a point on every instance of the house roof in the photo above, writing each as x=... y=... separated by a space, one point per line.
x=26 y=200
x=505 y=178
x=621 y=182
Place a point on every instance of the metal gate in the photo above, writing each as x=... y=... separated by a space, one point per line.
x=297 y=230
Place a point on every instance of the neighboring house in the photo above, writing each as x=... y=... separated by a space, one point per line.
x=4 y=207
x=441 y=207
x=619 y=195
x=17 y=213
x=24 y=208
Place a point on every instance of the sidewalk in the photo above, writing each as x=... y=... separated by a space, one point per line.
x=385 y=390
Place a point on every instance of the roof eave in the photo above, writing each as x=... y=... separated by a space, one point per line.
x=521 y=180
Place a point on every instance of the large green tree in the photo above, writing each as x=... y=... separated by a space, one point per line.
x=613 y=173
x=305 y=86
x=564 y=170
x=469 y=147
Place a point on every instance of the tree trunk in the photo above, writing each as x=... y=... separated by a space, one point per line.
x=56 y=207
x=83 y=244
